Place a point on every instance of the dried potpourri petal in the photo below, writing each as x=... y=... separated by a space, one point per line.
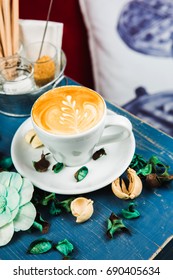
x=43 y=164
x=154 y=181
x=54 y=209
x=165 y=178
x=98 y=154
x=5 y=163
x=58 y=167
x=81 y=173
x=41 y=224
x=138 y=162
x=155 y=171
x=130 y=212
x=145 y=170
x=140 y=165
x=115 y=224
x=48 y=198
x=64 y=247
x=158 y=167
x=40 y=246
x=58 y=206
x=41 y=197
x=159 y=174
x=65 y=204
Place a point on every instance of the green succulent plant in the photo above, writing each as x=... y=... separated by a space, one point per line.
x=16 y=211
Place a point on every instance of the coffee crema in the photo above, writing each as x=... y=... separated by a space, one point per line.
x=68 y=110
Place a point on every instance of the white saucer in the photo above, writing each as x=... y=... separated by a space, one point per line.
x=101 y=171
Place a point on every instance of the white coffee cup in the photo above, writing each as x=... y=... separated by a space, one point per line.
x=70 y=121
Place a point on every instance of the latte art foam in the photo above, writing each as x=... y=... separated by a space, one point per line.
x=68 y=110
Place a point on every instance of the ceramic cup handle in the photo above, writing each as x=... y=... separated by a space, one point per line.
x=123 y=129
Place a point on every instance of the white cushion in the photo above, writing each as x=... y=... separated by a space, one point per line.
x=138 y=54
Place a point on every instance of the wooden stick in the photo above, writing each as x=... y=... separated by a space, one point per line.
x=15 y=26
x=2 y=31
x=7 y=24
x=1 y=51
x=45 y=29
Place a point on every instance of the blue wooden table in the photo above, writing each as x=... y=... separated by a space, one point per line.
x=148 y=232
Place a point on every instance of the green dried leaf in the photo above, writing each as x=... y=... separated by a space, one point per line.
x=48 y=198
x=58 y=167
x=40 y=246
x=130 y=212
x=64 y=247
x=138 y=162
x=65 y=204
x=54 y=210
x=43 y=164
x=37 y=226
x=140 y=165
x=98 y=154
x=145 y=170
x=58 y=206
x=115 y=224
x=81 y=173
x=41 y=197
x=155 y=171
x=41 y=224
x=6 y=163
x=158 y=167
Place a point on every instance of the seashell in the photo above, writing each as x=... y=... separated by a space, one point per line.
x=134 y=189
x=81 y=173
x=36 y=142
x=30 y=135
x=32 y=139
x=82 y=208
